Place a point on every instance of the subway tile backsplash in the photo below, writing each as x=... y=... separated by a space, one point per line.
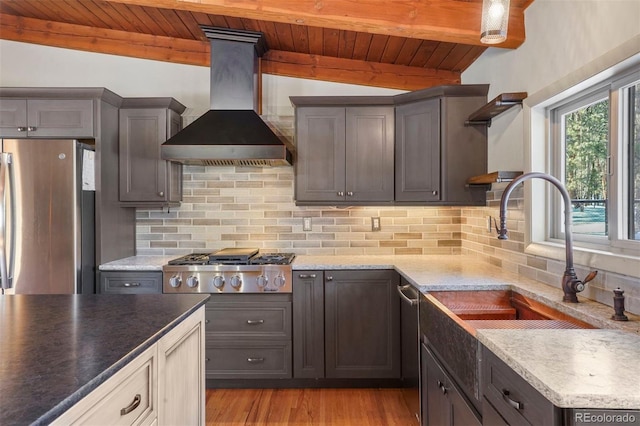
x=254 y=207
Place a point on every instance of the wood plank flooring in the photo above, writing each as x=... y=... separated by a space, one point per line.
x=337 y=407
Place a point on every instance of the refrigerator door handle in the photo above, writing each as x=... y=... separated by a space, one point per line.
x=5 y=184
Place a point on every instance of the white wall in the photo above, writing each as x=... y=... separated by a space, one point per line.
x=562 y=36
x=30 y=65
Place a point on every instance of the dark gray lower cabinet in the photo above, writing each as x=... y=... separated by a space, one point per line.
x=362 y=323
x=248 y=336
x=514 y=400
x=346 y=324
x=308 y=327
x=442 y=402
x=130 y=282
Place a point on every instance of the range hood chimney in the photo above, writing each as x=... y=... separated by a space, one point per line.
x=231 y=132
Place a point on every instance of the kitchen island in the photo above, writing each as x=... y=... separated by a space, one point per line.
x=55 y=350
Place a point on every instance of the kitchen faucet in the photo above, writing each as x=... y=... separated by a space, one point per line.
x=571 y=285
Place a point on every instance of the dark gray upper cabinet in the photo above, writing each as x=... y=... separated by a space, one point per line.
x=145 y=179
x=413 y=148
x=418 y=151
x=344 y=154
x=362 y=324
x=435 y=151
x=67 y=118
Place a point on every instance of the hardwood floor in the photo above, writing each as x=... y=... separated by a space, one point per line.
x=337 y=407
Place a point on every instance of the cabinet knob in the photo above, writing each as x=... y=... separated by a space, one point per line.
x=340 y=193
x=32 y=128
x=434 y=192
x=161 y=193
x=349 y=193
x=329 y=278
x=22 y=129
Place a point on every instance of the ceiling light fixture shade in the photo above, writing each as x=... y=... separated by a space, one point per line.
x=495 y=20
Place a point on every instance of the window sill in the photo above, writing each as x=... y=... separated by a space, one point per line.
x=591 y=258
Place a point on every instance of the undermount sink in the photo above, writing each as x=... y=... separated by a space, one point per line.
x=504 y=309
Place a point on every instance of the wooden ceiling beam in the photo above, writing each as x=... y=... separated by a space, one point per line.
x=194 y=52
x=338 y=70
x=451 y=21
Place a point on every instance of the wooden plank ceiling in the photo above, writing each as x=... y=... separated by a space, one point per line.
x=402 y=44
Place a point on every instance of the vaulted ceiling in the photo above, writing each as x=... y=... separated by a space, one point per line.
x=400 y=44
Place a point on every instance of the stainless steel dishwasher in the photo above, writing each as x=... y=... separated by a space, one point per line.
x=410 y=346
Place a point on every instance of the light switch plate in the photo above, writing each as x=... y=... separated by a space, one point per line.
x=375 y=223
x=306 y=224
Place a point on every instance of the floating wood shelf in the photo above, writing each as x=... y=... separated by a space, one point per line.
x=495 y=177
x=496 y=107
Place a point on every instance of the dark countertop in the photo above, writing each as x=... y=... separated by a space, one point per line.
x=56 y=349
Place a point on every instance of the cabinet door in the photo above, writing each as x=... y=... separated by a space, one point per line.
x=418 y=151
x=181 y=373
x=369 y=145
x=68 y=118
x=13 y=117
x=362 y=324
x=436 y=408
x=442 y=402
x=308 y=324
x=143 y=175
x=60 y=118
x=174 y=184
x=320 y=139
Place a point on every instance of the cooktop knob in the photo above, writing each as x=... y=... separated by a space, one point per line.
x=175 y=281
x=236 y=281
x=192 y=281
x=262 y=281
x=218 y=281
x=279 y=281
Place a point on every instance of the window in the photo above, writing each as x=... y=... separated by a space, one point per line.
x=595 y=146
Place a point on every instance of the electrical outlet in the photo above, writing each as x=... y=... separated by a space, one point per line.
x=306 y=224
x=375 y=223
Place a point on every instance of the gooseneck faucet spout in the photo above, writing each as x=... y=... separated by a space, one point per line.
x=571 y=285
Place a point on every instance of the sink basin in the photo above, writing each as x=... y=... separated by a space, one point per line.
x=480 y=309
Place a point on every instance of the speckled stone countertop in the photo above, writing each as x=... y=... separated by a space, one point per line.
x=439 y=272
x=55 y=349
x=138 y=263
x=573 y=368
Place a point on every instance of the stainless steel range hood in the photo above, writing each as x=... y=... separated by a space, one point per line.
x=231 y=133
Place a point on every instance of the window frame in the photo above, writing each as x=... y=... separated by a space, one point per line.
x=624 y=255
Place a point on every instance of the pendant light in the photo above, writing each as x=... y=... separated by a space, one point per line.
x=495 y=20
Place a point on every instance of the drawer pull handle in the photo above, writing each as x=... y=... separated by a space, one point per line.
x=131 y=284
x=22 y=129
x=32 y=128
x=515 y=404
x=255 y=360
x=442 y=387
x=307 y=275
x=134 y=404
x=255 y=322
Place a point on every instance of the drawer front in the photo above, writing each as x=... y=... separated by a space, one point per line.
x=130 y=283
x=248 y=359
x=249 y=319
x=515 y=399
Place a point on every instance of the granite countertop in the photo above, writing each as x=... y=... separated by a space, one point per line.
x=573 y=368
x=56 y=349
x=137 y=263
x=605 y=369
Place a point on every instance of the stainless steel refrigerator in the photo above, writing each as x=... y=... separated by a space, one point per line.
x=47 y=211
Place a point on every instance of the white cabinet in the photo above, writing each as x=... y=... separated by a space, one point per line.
x=164 y=385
